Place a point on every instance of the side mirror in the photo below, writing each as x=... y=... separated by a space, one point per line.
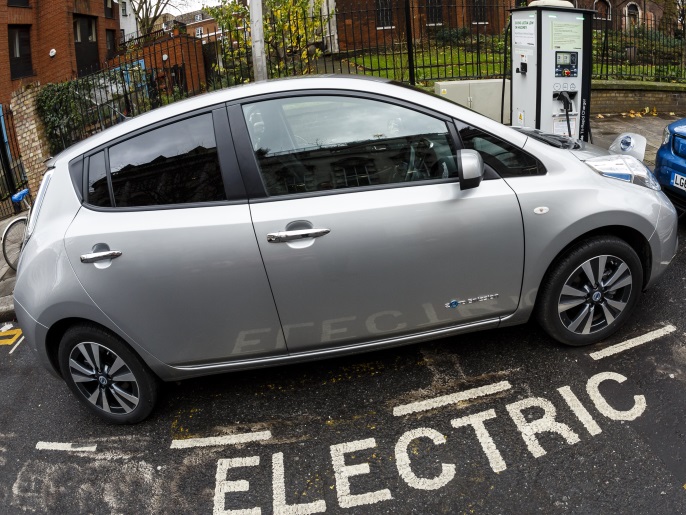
x=470 y=168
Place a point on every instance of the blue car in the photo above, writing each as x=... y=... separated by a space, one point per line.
x=670 y=164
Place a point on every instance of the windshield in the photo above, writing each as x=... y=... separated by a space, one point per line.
x=554 y=140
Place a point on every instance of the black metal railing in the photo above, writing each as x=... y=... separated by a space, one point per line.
x=413 y=43
x=12 y=173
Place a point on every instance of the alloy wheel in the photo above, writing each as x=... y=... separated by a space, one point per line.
x=595 y=294
x=103 y=378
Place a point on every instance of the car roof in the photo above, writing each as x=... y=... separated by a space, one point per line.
x=352 y=83
x=294 y=84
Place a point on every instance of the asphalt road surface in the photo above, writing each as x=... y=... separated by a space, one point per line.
x=503 y=421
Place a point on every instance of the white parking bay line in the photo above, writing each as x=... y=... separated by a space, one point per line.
x=221 y=440
x=453 y=398
x=59 y=446
x=634 y=342
x=17 y=344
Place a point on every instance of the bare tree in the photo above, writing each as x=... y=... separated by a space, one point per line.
x=148 y=12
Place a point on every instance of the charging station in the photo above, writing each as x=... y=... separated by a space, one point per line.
x=551 y=68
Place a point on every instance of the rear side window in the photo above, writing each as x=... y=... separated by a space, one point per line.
x=174 y=164
x=504 y=158
x=98 y=190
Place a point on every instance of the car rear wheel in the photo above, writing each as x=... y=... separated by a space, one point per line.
x=591 y=291
x=106 y=376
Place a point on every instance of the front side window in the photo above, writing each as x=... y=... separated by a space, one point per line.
x=198 y=32
x=20 y=51
x=123 y=9
x=174 y=164
x=318 y=143
x=504 y=158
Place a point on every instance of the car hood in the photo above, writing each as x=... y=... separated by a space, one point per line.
x=626 y=143
x=589 y=151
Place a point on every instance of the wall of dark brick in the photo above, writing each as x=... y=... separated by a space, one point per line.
x=608 y=97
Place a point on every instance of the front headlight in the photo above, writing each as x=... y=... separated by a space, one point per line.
x=624 y=168
x=665 y=136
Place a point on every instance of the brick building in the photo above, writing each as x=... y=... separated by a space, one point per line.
x=51 y=40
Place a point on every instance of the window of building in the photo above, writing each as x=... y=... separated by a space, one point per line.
x=124 y=12
x=198 y=17
x=111 y=39
x=633 y=15
x=198 y=32
x=434 y=12
x=479 y=12
x=109 y=11
x=371 y=143
x=18 y=3
x=20 y=51
x=603 y=8
x=174 y=164
x=504 y=158
x=384 y=14
x=77 y=30
x=92 y=30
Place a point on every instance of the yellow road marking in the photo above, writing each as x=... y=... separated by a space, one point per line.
x=9 y=337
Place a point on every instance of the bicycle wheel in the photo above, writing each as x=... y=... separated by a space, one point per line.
x=12 y=241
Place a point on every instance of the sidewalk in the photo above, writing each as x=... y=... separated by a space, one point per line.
x=604 y=131
x=7 y=280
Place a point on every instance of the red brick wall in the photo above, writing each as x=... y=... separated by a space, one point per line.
x=51 y=27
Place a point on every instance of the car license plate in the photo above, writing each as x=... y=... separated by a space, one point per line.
x=678 y=181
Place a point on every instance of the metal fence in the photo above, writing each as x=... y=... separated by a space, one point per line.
x=398 y=40
x=12 y=175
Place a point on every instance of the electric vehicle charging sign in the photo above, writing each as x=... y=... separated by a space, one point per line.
x=524 y=32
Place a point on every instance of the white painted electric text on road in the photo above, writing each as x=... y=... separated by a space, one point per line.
x=349 y=478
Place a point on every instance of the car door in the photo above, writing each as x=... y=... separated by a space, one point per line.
x=363 y=228
x=189 y=285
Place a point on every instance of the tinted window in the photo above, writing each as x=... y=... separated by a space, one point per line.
x=175 y=164
x=98 y=190
x=323 y=143
x=503 y=157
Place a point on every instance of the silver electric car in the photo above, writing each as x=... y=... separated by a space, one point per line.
x=310 y=218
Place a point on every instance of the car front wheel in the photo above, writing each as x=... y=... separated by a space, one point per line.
x=590 y=292
x=106 y=376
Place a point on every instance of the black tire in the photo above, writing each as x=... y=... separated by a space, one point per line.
x=12 y=241
x=576 y=309
x=88 y=355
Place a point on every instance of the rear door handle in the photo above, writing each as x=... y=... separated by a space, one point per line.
x=285 y=236
x=100 y=256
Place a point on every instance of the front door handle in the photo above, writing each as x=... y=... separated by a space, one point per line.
x=284 y=236
x=100 y=256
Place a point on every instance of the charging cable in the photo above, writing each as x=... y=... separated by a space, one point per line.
x=567 y=105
